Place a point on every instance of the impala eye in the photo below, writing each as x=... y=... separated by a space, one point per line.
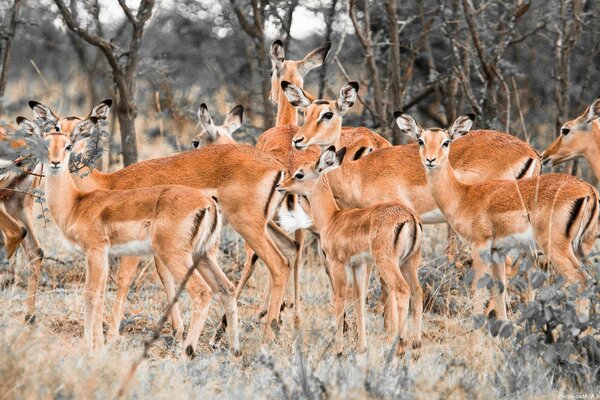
x=69 y=147
x=421 y=143
x=327 y=115
x=565 y=131
x=299 y=175
x=446 y=143
x=57 y=128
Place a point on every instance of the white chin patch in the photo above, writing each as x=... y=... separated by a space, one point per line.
x=291 y=221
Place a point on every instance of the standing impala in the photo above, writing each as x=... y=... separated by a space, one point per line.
x=579 y=137
x=179 y=225
x=388 y=234
x=556 y=212
x=217 y=134
x=394 y=173
x=242 y=178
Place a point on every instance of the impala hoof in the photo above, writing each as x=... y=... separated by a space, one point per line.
x=30 y=319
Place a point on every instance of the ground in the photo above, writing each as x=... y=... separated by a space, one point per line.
x=48 y=359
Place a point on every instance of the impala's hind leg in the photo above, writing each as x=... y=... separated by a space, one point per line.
x=360 y=286
x=126 y=272
x=340 y=289
x=401 y=291
x=199 y=291
x=410 y=271
x=169 y=284
x=225 y=291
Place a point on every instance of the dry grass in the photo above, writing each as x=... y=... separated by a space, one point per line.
x=48 y=360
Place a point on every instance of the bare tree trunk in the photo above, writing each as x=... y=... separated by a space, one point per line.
x=330 y=16
x=12 y=28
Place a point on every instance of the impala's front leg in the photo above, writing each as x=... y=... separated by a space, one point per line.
x=340 y=289
x=127 y=268
x=499 y=288
x=480 y=268
x=95 y=283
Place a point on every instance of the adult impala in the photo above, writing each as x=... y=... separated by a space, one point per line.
x=579 y=137
x=388 y=234
x=178 y=224
x=242 y=178
x=558 y=213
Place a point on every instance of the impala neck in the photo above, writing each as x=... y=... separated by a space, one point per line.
x=322 y=204
x=446 y=190
x=286 y=113
x=592 y=152
x=61 y=194
x=92 y=181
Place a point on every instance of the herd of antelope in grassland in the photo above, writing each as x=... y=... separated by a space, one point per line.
x=364 y=199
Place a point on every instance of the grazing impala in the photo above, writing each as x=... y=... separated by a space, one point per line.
x=578 y=137
x=218 y=134
x=556 y=212
x=388 y=234
x=242 y=178
x=177 y=224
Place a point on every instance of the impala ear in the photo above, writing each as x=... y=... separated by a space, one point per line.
x=29 y=126
x=461 y=126
x=407 y=124
x=234 y=119
x=207 y=122
x=347 y=97
x=83 y=129
x=330 y=159
x=314 y=59
x=277 y=54
x=295 y=95
x=101 y=109
x=593 y=111
x=42 y=112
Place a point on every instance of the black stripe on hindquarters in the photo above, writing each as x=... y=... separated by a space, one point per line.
x=397 y=233
x=525 y=168
x=215 y=221
x=575 y=210
x=197 y=221
x=275 y=182
x=592 y=215
x=359 y=153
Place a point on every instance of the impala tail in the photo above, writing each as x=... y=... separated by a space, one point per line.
x=408 y=235
x=206 y=228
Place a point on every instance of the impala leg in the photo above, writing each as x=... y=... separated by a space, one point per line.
x=340 y=289
x=14 y=233
x=34 y=253
x=169 y=284
x=299 y=236
x=360 y=284
x=480 y=268
x=410 y=271
x=499 y=288
x=224 y=289
x=127 y=268
x=401 y=291
x=95 y=282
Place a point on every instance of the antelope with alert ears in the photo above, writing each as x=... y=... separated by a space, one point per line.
x=579 y=137
x=556 y=212
x=388 y=234
x=217 y=134
x=177 y=224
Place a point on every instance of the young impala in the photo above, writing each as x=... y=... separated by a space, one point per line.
x=241 y=177
x=556 y=212
x=579 y=137
x=388 y=234
x=217 y=134
x=179 y=225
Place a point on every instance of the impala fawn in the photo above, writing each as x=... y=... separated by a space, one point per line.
x=556 y=212
x=388 y=234
x=579 y=137
x=213 y=134
x=179 y=225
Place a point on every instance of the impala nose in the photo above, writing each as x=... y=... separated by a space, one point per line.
x=430 y=160
x=298 y=143
x=55 y=163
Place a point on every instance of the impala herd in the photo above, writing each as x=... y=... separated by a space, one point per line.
x=364 y=199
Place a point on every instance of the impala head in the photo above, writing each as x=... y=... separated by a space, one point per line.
x=67 y=124
x=305 y=178
x=322 y=118
x=217 y=134
x=292 y=71
x=575 y=137
x=434 y=143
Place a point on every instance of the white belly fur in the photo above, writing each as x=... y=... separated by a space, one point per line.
x=433 y=217
x=133 y=248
